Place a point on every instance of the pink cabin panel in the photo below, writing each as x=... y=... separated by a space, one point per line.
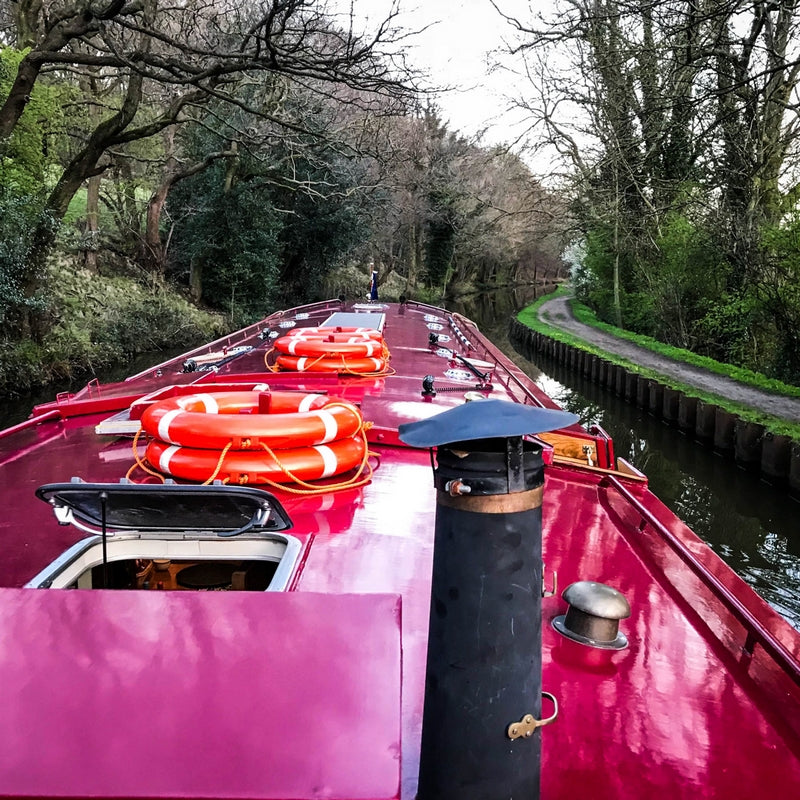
x=199 y=695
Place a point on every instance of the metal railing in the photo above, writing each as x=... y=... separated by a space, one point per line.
x=756 y=632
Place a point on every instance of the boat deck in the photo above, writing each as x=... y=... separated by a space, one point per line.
x=703 y=703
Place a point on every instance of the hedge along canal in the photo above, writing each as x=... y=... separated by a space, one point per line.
x=749 y=523
x=774 y=458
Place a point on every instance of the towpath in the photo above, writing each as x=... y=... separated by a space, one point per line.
x=556 y=312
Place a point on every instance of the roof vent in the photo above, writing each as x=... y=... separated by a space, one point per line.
x=593 y=616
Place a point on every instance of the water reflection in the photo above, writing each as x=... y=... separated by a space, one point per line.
x=487 y=309
x=751 y=525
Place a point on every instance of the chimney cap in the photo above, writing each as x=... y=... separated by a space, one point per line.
x=491 y=419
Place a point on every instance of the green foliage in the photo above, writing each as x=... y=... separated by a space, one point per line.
x=683 y=274
x=232 y=239
x=319 y=233
x=29 y=151
x=18 y=215
x=99 y=322
x=271 y=236
x=594 y=283
x=594 y=278
x=726 y=326
x=668 y=289
x=779 y=289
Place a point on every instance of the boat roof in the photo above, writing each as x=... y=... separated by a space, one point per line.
x=703 y=702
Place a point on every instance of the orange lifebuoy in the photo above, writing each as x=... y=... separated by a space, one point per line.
x=243 y=420
x=250 y=466
x=339 y=363
x=332 y=345
x=314 y=333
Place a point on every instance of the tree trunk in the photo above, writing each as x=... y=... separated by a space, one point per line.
x=154 y=255
x=196 y=279
x=92 y=227
x=18 y=97
x=82 y=166
x=230 y=172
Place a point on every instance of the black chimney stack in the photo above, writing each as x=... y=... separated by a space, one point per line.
x=484 y=641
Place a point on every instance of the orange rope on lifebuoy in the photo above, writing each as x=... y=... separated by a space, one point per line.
x=326 y=438
x=331 y=345
x=355 y=481
x=338 y=363
x=360 y=352
x=298 y=465
x=139 y=462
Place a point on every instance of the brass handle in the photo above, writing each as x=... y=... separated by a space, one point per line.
x=527 y=725
x=549 y=592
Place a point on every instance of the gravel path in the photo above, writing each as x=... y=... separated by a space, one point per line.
x=557 y=313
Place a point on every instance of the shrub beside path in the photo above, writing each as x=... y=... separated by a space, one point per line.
x=557 y=312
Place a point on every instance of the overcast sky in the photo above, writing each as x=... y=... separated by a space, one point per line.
x=455 y=49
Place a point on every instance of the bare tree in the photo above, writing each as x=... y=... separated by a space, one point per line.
x=188 y=56
x=674 y=108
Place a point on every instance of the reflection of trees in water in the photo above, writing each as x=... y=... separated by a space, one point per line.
x=750 y=524
x=491 y=310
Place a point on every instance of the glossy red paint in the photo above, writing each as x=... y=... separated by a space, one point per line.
x=695 y=707
x=181 y=694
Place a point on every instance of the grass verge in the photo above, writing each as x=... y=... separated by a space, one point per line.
x=778 y=426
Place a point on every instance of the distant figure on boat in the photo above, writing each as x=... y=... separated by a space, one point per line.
x=373 y=286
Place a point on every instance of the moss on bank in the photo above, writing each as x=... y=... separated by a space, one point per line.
x=99 y=321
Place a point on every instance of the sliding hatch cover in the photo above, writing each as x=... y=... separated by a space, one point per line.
x=235 y=695
x=226 y=510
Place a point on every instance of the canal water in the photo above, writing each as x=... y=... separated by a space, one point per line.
x=752 y=525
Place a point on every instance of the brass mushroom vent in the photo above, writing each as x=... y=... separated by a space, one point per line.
x=593 y=615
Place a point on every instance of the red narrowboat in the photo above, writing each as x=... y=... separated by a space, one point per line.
x=395 y=570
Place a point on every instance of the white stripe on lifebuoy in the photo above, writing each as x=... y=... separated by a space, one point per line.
x=377 y=363
x=164 y=458
x=209 y=403
x=293 y=345
x=328 y=459
x=307 y=401
x=165 y=422
x=329 y=421
x=301 y=364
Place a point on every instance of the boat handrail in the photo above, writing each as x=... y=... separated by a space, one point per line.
x=31 y=422
x=756 y=632
x=490 y=350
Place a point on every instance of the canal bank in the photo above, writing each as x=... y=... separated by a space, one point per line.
x=773 y=457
